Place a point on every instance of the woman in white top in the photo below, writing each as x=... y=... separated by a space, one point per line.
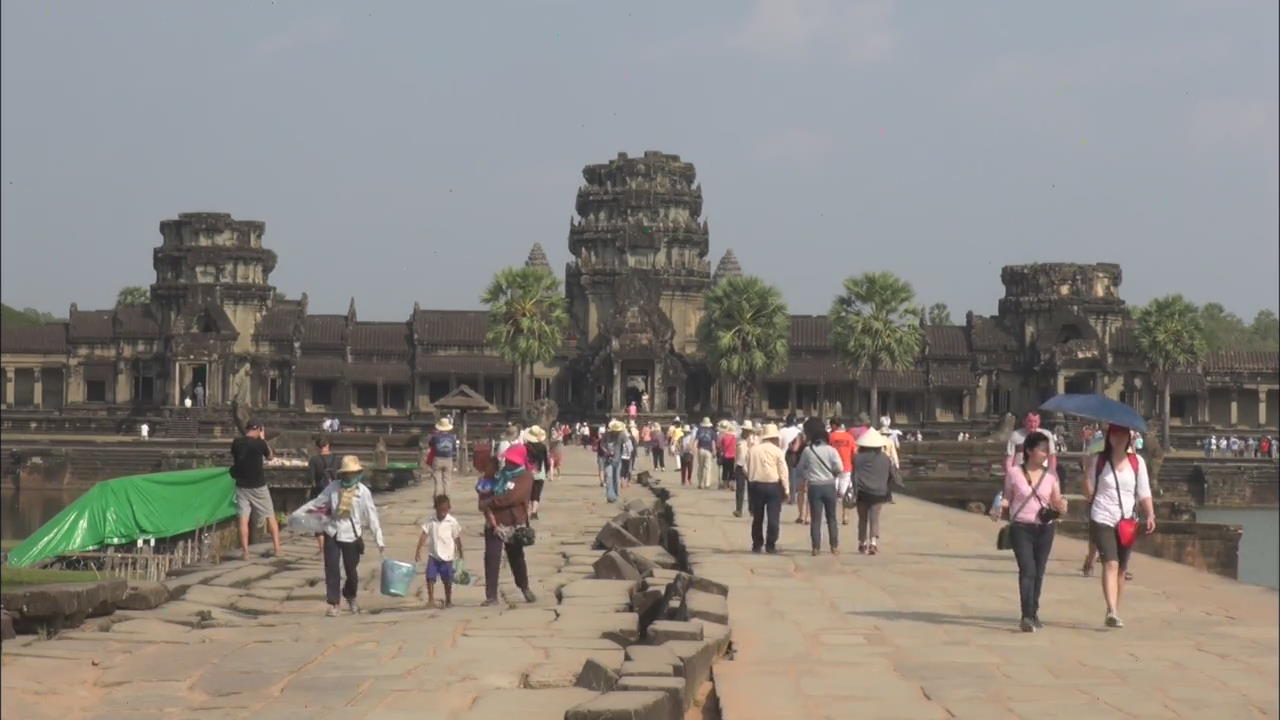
x=1116 y=484
x=348 y=503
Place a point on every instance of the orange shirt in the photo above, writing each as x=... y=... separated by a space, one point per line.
x=842 y=441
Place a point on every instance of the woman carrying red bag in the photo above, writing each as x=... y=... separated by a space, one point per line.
x=1116 y=484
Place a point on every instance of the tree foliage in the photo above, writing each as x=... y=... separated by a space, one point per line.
x=939 y=314
x=744 y=334
x=133 y=295
x=1224 y=330
x=527 y=316
x=1171 y=335
x=875 y=325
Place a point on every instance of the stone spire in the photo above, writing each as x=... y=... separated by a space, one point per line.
x=728 y=267
x=537 y=258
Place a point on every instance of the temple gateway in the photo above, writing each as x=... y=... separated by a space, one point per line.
x=215 y=330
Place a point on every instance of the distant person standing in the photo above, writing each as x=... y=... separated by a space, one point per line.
x=198 y=391
x=443 y=447
x=144 y=430
x=186 y=402
x=253 y=498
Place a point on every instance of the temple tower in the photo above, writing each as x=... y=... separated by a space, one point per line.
x=636 y=281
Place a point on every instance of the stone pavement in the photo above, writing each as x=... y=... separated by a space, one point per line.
x=928 y=627
x=250 y=639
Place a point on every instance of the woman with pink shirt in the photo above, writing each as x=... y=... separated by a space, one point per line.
x=1033 y=497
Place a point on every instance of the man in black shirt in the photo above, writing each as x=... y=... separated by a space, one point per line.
x=252 y=495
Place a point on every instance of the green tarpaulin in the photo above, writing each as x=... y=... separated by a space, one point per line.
x=127 y=509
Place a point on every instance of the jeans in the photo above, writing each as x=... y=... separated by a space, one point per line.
x=868 y=520
x=659 y=460
x=346 y=552
x=822 y=500
x=1031 y=546
x=705 y=461
x=739 y=490
x=765 y=499
x=686 y=468
x=612 y=472
x=493 y=546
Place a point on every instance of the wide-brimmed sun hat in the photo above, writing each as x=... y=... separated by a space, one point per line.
x=350 y=464
x=748 y=426
x=535 y=434
x=444 y=424
x=706 y=422
x=770 y=431
x=872 y=438
x=723 y=425
x=517 y=455
x=616 y=426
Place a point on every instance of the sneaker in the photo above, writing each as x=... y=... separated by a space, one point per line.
x=528 y=595
x=771 y=550
x=1027 y=625
x=1113 y=621
x=872 y=549
x=332 y=611
x=814 y=552
x=835 y=550
x=737 y=513
x=755 y=549
x=353 y=606
x=1035 y=620
x=488 y=603
x=862 y=548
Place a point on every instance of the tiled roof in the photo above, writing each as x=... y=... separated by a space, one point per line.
x=454 y=328
x=89 y=325
x=952 y=377
x=810 y=332
x=321 y=367
x=136 y=321
x=1263 y=361
x=388 y=336
x=278 y=322
x=324 y=330
x=38 y=339
x=462 y=365
x=814 y=368
x=1186 y=383
x=895 y=379
x=946 y=341
x=369 y=372
x=989 y=335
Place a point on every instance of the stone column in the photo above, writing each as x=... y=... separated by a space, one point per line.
x=1235 y=407
x=1061 y=383
x=480 y=383
x=616 y=396
x=1202 y=406
x=966 y=405
x=8 y=387
x=1262 y=407
x=791 y=397
x=37 y=391
x=657 y=393
x=893 y=406
x=380 y=396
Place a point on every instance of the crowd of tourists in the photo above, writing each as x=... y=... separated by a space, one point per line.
x=1236 y=447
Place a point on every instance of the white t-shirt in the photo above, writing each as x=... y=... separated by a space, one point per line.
x=1019 y=436
x=1106 y=502
x=786 y=436
x=442 y=537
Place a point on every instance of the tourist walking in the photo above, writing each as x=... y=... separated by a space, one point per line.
x=842 y=441
x=443 y=448
x=442 y=538
x=658 y=446
x=350 y=509
x=505 y=508
x=538 y=461
x=612 y=444
x=767 y=478
x=253 y=497
x=1033 y=497
x=1116 y=484
x=789 y=440
x=727 y=452
x=1013 y=451
x=629 y=443
x=688 y=441
x=745 y=443
x=705 y=439
x=819 y=467
x=874 y=474
x=323 y=470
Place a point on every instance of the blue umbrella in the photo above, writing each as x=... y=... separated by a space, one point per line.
x=1096 y=407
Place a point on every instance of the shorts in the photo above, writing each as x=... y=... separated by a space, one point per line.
x=1104 y=538
x=255 y=501
x=437 y=568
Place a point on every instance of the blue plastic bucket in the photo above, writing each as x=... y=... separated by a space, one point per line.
x=396 y=578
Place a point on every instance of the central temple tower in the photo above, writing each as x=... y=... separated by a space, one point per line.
x=636 y=281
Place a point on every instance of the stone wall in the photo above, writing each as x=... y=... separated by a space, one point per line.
x=1201 y=545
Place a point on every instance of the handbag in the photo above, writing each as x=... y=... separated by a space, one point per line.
x=1004 y=538
x=1126 y=527
x=523 y=536
x=359 y=543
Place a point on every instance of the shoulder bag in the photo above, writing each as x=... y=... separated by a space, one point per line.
x=1126 y=527
x=1004 y=539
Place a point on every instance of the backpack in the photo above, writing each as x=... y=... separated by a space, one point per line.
x=706 y=439
x=445 y=444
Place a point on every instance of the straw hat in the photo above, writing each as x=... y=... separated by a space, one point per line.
x=769 y=432
x=748 y=426
x=616 y=426
x=706 y=422
x=444 y=424
x=535 y=434
x=871 y=438
x=350 y=464
x=723 y=425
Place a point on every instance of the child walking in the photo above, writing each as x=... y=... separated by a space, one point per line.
x=442 y=535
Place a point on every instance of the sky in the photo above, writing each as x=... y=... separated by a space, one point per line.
x=403 y=151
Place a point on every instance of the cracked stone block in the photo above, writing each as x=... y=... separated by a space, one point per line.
x=627 y=705
x=551 y=675
x=590 y=587
x=707 y=606
x=661 y=631
x=651 y=669
x=143 y=595
x=613 y=536
x=672 y=687
x=637 y=505
x=696 y=655
x=715 y=632
x=697 y=582
x=595 y=676
x=613 y=566
x=211 y=595
x=653 y=556
x=243 y=576
x=622 y=628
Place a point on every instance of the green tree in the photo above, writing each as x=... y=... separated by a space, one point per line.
x=875 y=325
x=1172 y=336
x=527 y=319
x=1265 y=330
x=133 y=295
x=744 y=334
x=1223 y=330
x=939 y=314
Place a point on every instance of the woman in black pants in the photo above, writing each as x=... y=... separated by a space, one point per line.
x=504 y=509
x=1033 y=496
x=539 y=463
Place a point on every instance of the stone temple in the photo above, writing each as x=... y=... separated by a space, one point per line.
x=640 y=266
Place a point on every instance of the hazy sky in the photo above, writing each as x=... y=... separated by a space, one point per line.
x=403 y=151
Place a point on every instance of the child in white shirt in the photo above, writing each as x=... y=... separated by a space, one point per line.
x=442 y=535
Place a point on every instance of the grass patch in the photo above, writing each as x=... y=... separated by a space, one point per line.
x=12 y=577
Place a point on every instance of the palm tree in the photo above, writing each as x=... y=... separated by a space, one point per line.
x=1171 y=334
x=527 y=318
x=744 y=334
x=875 y=324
